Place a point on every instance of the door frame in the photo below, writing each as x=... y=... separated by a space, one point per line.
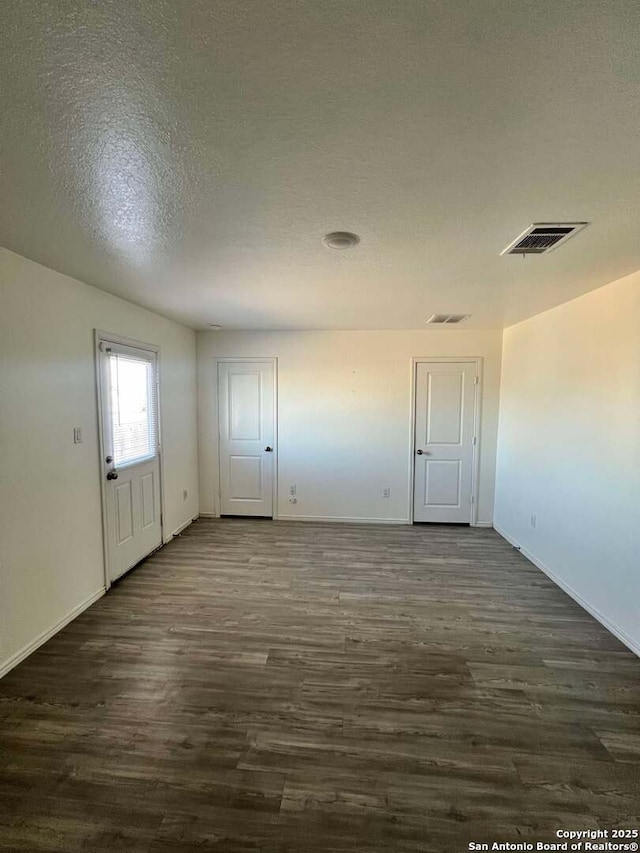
x=100 y=336
x=274 y=486
x=477 y=411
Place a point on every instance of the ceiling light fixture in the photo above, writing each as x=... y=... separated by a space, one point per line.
x=340 y=240
x=215 y=327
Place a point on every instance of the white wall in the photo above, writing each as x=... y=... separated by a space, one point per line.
x=344 y=415
x=569 y=449
x=51 y=558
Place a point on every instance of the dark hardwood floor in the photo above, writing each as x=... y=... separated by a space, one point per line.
x=282 y=687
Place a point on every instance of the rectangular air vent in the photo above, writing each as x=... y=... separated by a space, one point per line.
x=447 y=318
x=542 y=237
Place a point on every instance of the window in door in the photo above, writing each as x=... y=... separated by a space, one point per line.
x=133 y=415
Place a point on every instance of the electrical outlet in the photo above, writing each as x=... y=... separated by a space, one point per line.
x=185 y=494
x=386 y=492
x=293 y=490
x=77 y=435
x=293 y=500
x=533 y=520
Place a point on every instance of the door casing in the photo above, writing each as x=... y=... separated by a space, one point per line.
x=99 y=336
x=478 y=361
x=247 y=360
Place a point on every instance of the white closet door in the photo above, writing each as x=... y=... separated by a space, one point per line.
x=444 y=441
x=247 y=451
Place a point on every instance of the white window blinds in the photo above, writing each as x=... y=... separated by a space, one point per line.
x=132 y=387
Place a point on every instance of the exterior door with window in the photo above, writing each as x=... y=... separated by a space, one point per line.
x=131 y=454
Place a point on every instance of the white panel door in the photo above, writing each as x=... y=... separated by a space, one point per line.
x=131 y=462
x=246 y=425
x=444 y=441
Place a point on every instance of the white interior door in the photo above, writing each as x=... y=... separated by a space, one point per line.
x=444 y=441
x=246 y=432
x=131 y=460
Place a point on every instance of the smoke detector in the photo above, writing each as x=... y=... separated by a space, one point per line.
x=447 y=319
x=340 y=240
x=542 y=237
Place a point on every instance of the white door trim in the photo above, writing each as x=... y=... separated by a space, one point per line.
x=479 y=363
x=245 y=359
x=99 y=336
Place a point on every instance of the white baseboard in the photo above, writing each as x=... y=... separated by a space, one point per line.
x=586 y=605
x=483 y=524
x=179 y=530
x=25 y=651
x=208 y=515
x=343 y=519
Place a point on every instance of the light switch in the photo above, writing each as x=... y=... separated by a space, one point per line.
x=77 y=435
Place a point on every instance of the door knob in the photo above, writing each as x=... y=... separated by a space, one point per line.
x=269 y=449
x=419 y=452
x=423 y=452
x=109 y=460
x=112 y=475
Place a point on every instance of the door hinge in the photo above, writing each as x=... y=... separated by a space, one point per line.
x=472 y=499
x=476 y=379
x=474 y=440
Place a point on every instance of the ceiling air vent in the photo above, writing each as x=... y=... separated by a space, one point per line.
x=542 y=237
x=447 y=319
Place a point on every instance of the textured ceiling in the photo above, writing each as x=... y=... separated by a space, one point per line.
x=189 y=155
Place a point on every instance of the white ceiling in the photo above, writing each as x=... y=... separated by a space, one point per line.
x=189 y=155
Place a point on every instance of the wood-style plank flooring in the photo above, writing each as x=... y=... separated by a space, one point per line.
x=289 y=687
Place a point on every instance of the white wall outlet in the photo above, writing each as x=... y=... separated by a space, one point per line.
x=77 y=435
x=534 y=520
x=293 y=500
x=292 y=490
x=386 y=492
